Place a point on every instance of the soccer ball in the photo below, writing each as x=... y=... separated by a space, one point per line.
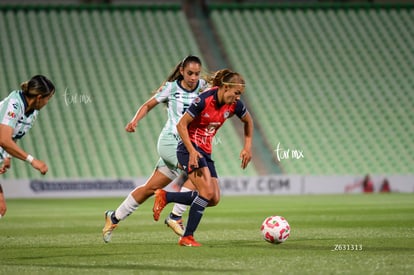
x=275 y=229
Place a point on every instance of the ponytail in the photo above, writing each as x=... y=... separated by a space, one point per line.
x=25 y=87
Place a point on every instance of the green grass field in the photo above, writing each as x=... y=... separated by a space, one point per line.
x=63 y=236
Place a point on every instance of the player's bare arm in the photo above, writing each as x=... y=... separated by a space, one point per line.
x=140 y=114
x=182 y=128
x=8 y=144
x=246 y=153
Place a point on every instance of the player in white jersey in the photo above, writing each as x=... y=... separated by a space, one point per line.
x=18 y=112
x=178 y=92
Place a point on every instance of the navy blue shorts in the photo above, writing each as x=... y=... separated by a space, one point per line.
x=183 y=157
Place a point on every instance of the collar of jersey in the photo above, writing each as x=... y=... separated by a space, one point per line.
x=215 y=95
x=184 y=89
x=25 y=104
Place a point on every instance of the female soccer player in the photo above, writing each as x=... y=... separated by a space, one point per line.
x=18 y=112
x=197 y=129
x=180 y=89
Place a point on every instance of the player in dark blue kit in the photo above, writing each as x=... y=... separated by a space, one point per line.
x=197 y=128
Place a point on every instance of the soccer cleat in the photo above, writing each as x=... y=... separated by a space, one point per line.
x=109 y=226
x=160 y=202
x=176 y=225
x=188 y=241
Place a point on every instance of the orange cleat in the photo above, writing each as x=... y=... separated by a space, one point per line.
x=188 y=241
x=159 y=203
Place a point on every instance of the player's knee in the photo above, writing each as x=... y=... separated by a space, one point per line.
x=207 y=194
x=214 y=201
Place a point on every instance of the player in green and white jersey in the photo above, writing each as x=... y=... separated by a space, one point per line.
x=178 y=92
x=18 y=112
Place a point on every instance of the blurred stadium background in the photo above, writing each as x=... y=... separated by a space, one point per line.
x=334 y=80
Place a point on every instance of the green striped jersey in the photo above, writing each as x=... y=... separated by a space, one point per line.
x=178 y=100
x=12 y=113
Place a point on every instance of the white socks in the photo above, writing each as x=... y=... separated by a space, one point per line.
x=179 y=209
x=129 y=205
x=126 y=208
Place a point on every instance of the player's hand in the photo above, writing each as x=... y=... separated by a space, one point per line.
x=40 y=165
x=193 y=159
x=245 y=157
x=5 y=166
x=130 y=127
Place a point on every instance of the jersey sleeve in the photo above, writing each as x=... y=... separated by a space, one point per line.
x=163 y=93
x=197 y=106
x=10 y=112
x=241 y=109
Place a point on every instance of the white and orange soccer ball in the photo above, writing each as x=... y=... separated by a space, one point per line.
x=275 y=229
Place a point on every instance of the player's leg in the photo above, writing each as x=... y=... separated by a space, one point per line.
x=201 y=178
x=159 y=179
x=164 y=173
x=185 y=198
x=216 y=195
x=215 y=183
x=167 y=149
x=206 y=182
x=174 y=220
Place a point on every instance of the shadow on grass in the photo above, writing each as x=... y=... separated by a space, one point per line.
x=126 y=267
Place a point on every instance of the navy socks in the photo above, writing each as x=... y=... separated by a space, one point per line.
x=181 y=197
x=195 y=215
